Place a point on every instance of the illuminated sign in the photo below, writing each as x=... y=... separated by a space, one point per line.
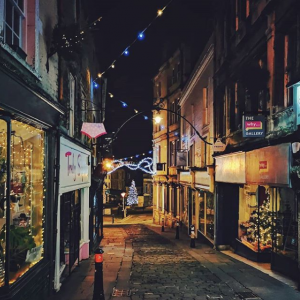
x=253 y=126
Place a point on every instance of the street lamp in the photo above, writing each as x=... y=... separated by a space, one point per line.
x=157 y=119
x=124 y=211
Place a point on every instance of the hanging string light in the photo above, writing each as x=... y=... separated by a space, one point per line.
x=140 y=37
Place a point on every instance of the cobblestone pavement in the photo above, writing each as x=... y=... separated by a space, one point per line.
x=163 y=268
x=141 y=262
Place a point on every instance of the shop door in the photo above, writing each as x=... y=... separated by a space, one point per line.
x=70 y=228
x=227 y=214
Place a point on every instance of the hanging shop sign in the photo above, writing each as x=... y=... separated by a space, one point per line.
x=231 y=168
x=75 y=166
x=219 y=146
x=254 y=126
x=269 y=165
x=296 y=95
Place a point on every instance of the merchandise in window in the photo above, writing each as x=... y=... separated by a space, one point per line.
x=285 y=223
x=27 y=194
x=207 y=215
x=257 y=215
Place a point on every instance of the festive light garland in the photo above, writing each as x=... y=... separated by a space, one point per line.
x=135 y=156
x=140 y=37
x=145 y=165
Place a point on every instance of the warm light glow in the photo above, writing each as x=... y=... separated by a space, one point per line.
x=159 y=12
x=157 y=119
x=110 y=95
x=123 y=194
x=99 y=75
x=107 y=164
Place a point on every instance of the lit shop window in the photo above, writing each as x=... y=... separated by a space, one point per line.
x=21 y=223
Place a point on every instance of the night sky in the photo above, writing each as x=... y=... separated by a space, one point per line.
x=131 y=80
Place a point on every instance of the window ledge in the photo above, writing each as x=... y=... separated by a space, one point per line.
x=13 y=53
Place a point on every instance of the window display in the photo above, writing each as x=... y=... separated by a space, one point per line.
x=207 y=215
x=256 y=217
x=26 y=205
x=285 y=225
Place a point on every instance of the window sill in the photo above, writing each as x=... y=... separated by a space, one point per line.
x=18 y=58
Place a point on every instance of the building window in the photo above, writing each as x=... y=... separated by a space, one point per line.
x=13 y=22
x=205 y=106
x=192 y=130
x=158 y=89
x=192 y=156
x=25 y=242
x=173 y=117
x=179 y=72
x=72 y=105
x=173 y=76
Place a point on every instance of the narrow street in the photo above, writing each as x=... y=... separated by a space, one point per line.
x=141 y=262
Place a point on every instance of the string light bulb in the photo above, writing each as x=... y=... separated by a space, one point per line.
x=141 y=36
x=110 y=95
x=126 y=52
x=159 y=12
x=113 y=66
x=136 y=111
x=99 y=75
x=124 y=104
x=146 y=118
x=96 y=85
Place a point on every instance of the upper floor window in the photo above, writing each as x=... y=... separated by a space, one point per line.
x=174 y=116
x=174 y=79
x=192 y=130
x=21 y=28
x=14 y=17
x=178 y=72
x=205 y=106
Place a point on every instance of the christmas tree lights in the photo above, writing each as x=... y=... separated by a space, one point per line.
x=132 y=197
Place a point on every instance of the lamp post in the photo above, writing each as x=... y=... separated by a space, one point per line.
x=124 y=211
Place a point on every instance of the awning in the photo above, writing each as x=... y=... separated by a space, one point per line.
x=93 y=130
x=17 y=96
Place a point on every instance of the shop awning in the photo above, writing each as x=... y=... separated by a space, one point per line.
x=93 y=130
x=17 y=96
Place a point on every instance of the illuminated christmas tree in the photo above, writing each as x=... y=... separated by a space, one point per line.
x=132 y=194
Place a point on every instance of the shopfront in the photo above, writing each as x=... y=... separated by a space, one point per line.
x=25 y=235
x=230 y=175
x=268 y=227
x=72 y=244
x=205 y=206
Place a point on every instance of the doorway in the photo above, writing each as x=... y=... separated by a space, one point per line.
x=70 y=229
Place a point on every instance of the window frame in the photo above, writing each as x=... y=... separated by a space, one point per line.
x=21 y=16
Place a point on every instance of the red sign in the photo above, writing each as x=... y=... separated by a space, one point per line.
x=263 y=165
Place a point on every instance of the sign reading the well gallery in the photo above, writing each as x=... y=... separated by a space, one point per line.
x=253 y=126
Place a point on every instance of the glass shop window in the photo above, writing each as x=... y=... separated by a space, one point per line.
x=285 y=226
x=26 y=204
x=256 y=216
x=206 y=214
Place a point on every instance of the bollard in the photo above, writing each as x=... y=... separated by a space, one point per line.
x=177 y=230
x=112 y=218
x=98 y=281
x=162 y=225
x=192 y=244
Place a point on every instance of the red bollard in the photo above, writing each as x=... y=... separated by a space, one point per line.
x=98 y=282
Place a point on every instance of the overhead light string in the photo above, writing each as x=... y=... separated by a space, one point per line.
x=140 y=37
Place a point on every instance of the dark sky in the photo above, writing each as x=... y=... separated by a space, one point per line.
x=131 y=80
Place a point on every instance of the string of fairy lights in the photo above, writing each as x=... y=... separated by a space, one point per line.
x=136 y=156
x=140 y=37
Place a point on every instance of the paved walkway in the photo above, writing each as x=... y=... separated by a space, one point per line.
x=143 y=262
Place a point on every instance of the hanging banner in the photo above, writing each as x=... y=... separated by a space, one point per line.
x=254 y=126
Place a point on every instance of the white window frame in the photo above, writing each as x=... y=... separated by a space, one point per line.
x=22 y=17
